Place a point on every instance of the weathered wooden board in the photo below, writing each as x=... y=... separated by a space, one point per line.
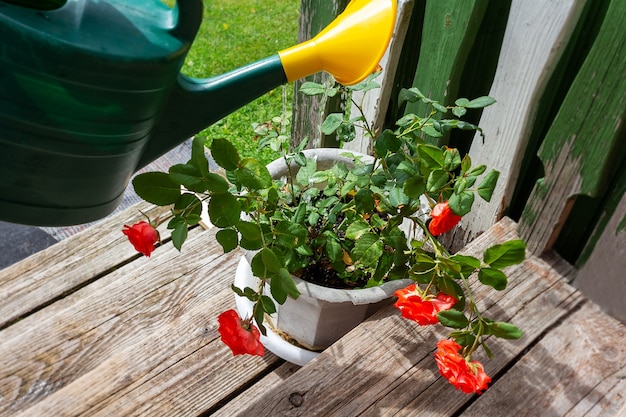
x=387 y=362
x=585 y=140
x=309 y=111
x=67 y=265
x=535 y=38
x=141 y=340
x=601 y=277
x=577 y=369
x=374 y=103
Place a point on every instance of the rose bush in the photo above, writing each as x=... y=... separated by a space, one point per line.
x=351 y=223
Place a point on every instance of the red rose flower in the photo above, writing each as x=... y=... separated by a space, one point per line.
x=241 y=336
x=443 y=219
x=143 y=236
x=423 y=311
x=468 y=376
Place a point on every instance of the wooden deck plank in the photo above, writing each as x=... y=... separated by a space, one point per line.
x=386 y=363
x=119 y=345
x=575 y=370
x=260 y=387
x=69 y=264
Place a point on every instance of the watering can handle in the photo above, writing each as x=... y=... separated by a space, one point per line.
x=188 y=20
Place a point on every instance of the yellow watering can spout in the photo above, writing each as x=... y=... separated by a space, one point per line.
x=350 y=48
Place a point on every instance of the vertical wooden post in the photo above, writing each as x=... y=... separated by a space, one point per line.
x=308 y=112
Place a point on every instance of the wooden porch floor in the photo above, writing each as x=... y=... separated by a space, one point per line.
x=89 y=328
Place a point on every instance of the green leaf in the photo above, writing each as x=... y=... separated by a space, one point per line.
x=459 y=111
x=462 y=102
x=253 y=175
x=506 y=254
x=439 y=107
x=228 y=238
x=332 y=122
x=431 y=156
x=282 y=285
x=191 y=178
x=179 y=235
x=364 y=201
x=466 y=164
x=488 y=184
x=290 y=235
x=411 y=95
x=493 y=278
x=480 y=102
x=461 y=204
x=224 y=210
x=468 y=264
x=414 y=187
x=453 y=318
x=504 y=330
x=452 y=159
x=357 y=229
x=333 y=247
x=306 y=172
x=268 y=304
x=450 y=287
x=189 y=207
x=310 y=88
x=386 y=142
x=156 y=188
x=249 y=230
x=270 y=260
x=198 y=157
x=368 y=249
x=225 y=154
x=437 y=179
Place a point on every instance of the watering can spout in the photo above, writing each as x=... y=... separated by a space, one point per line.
x=350 y=49
x=82 y=106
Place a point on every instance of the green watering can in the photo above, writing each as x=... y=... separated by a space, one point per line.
x=91 y=91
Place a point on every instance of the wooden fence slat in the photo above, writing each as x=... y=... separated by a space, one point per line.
x=584 y=142
x=309 y=111
x=450 y=27
x=534 y=40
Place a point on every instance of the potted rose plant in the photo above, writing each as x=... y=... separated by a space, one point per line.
x=359 y=224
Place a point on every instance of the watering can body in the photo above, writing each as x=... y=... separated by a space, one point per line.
x=91 y=91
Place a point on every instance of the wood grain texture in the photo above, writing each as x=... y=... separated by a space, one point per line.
x=535 y=38
x=388 y=361
x=577 y=369
x=69 y=264
x=585 y=140
x=142 y=340
x=450 y=28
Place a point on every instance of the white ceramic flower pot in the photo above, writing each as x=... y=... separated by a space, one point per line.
x=321 y=315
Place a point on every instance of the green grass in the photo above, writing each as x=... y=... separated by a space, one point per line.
x=234 y=33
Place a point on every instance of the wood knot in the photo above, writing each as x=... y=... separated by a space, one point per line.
x=296 y=399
